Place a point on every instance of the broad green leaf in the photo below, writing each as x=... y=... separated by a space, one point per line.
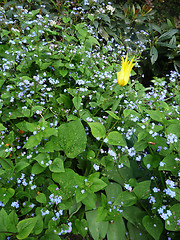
x=137 y=233
x=97 y=129
x=12 y=222
x=57 y=165
x=77 y=102
x=169 y=163
x=42 y=159
x=63 y=72
x=6 y=194
x=21 y=165
x=37 y=168
x=37 y=108
x=90 y=201
x=142 y=190
x=97 y=185
x=25 y=227
x=50 y=236
x=116 y=230
x=97 y=229
x=152 y=160
x=134 y=215
x=49 y=132
x=81 y=195
x=153 y=226
x=72 y=138
x=140 y=145
x=153 y=54
x=3 y=220
x=172 y=223
x=33 y=141
x=81 y=226
x=112 y=191
x=74 y=208
x=93 y=40
x=115 y=138
x=83 y=32
x=92 y=224
x=38 y=228
x=155 y=115
x=67 y=181
x=41 y=197
x=90 y=155
x=174 y=128
x=126 y=199
x=101 y=214
x=2 y=128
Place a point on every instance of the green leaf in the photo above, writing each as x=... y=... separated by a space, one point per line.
x=81 y=226
x=153 y=226
x=97 y=185
x=155 y=115
x=136 y=233
x=83 y=32
x=172 y=223
x=21 y=165
x=36 y=169
x=49 y=132
x=167 y=35
x=140 y=145
x=90 y=201
x=97 y=129
x=74 y=208
x=153 y=54
x=67 y=180
x=134 y=215
x=142 y=190
x=41 y=198
x=116 y=230
x=50 y=236
x=113 y=190
x=6 y=194
x=63 y=72
x=33 y=141
x=93 y=40
x=2 y=128
x=97 y=229
x=25 y=227
x=12 y=222
x=42 y=159
x=57 y=165
x=115 y=138
x=101 y=214
x=72 y=138
x=113 y=115
x=39 y=225
x=77 y=102
x=80 y=196
x=126 y=199
x=3 y=220
x=170 y=164
x=174 y=128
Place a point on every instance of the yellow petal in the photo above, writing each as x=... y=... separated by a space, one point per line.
x=124 y=74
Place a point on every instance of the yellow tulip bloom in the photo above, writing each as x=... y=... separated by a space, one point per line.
x=124 y=74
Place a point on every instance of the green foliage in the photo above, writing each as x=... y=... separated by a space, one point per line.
x=80 y=154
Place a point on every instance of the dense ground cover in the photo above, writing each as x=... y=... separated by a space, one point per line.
x=80 y=154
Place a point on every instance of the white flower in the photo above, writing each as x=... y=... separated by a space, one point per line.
x=110 y=8
x=52 y=22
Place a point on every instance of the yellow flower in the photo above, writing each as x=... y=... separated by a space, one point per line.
x=123 y=75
